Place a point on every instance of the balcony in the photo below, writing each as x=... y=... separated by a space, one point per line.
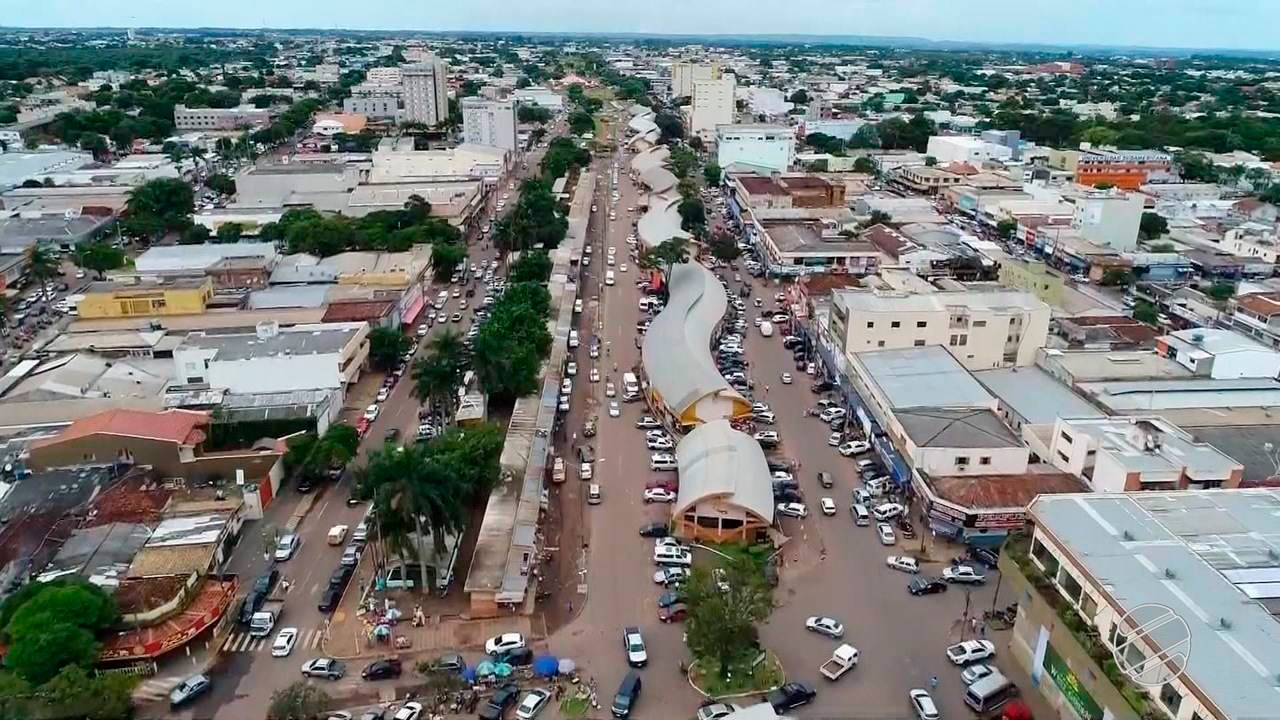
x=1072 y=635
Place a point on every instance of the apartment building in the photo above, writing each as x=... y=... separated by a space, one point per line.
x=927 y=180
x=236 y=118
x=981 y=328
x=1125 y=169
x=1144 y=605
x=770 y=148
x=1253 y=240
x=1110 y=219
x=713 y=105
x=383 y=75
x=489 y=122
x=686 y=72
x=426 y=92
x=378 y=103
x=1128 y=454
x=1258 y=316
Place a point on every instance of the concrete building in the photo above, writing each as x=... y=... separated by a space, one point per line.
x=489 y=122
x=1219 y=354
x=377 y=102
x=18 y=167
x=426 y=91
x=1138 y=453
x=394 y=165
x=1174 y=588
x=236 y=118
x=713 y=105
x=1258 y=316
x=274 y=359
x=687 y=72
x=981 y=328
x=1109 y=219
x=179 y=296
x=1125 y=169
x=965 y=149
x=330 y=124
x=771 y=148
x=541 y=97
x=927 y=180
x=1253 y=240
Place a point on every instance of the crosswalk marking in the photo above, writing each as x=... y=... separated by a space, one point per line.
x=240 y=642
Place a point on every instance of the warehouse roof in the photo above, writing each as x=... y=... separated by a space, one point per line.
x=717 y=461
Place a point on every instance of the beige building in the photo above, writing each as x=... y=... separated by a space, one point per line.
x=685 y=73
x=713 y=104
x=981 y=328
x=426 y=93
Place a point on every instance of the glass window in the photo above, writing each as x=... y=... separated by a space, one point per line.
x=922 y=323
x=919 y=343
x=870 y=325
x=895 y=324
x=1171 y=699
x=961 y=460
x=984 y=460
x=1070 y=587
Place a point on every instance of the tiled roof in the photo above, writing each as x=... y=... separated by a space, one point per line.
x=1002 y=491
x=890 y=241
x=1264 y=305
x=181 y=427
x=356 y=310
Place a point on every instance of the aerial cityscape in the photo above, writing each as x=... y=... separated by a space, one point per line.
x=651 y=362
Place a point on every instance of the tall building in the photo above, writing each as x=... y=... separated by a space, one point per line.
x=766 y=147
x=685 y=73
x=489 y=122
x=426 y=94
x=713 y=104
x=1109 y=218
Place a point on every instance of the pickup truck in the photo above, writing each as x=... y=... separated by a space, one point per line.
x=264 y=620
x=842 y=661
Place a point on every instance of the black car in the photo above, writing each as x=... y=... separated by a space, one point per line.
x=497 y=706
x=821 y=386
x=986 y=556
x=801 y=363
x=382 y=669
x=791 y=696
x=926 y=586
x=824 y=479
x=776 y=464
x=392 y=435
x=655 y=530
x=515 y=658
x=249 y=605
x=329 y=599
x=786 y=495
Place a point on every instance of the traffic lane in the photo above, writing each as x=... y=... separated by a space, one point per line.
x=901 y=639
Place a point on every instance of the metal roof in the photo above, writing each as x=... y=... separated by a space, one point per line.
x=1034 y=395
x=927 y=376
x=717 y=461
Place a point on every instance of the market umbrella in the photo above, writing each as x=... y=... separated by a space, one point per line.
x=502 y=670
x=469 y=674
x=382 y=631
x=567 y=666
x=546 y=665
x=484 y=668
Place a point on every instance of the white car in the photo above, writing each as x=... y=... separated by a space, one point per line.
x=904 y=563
x=886 y=535
x=669 y=575
x=888 y=511
x=766 y=436
x=422 y=330
x=647 y=422
x=659 y=443
x=853 y=447
x=284 y=642
x=371 y=413
x=672 y=556
x=970 y=651
x=622 y=267
x=923 y=704
x=383 y=394
x=633 y=644
x=830 y=627
x=287 y=546
x=610 y=390
x=659 y=495
x=828 y=506
x=963 y=574
x=832 y=413
x=504 y=643
x=834 y=439
x=786 y=378
x=717 y=711
x=408 y=711
x=566 y=386
x=532 y=704
x=760 y=407
x=667 y=542
x=795 y=510
x=571 y=369
x=614 y=410
x=594 y=376
x=974 y=673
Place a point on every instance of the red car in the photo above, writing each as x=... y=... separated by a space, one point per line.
x=664 y=483
x=673 y=613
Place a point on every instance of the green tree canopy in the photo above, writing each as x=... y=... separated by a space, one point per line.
x=99 y=257
x=221 y=184
x=512 y=343
x=711 y=174
x=438 y=374
x=532 y=266
x=158 y=207
x=721 y=624
x=1152 y=225
x=446 y=257
x=386 y=345
x=299 y=700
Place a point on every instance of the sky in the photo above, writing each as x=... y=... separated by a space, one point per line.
x=1234 y=24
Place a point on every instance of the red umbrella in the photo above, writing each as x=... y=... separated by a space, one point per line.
x=1016 y=710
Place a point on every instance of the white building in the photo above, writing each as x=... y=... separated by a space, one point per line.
x=426 y=93
x=383 y=76
x=1252 y=240
x=981 y=328
x=236 y=118
x=1127 y=454
x=10 y=140
x=685 y=73
x=274 y=359
x=459 y=163
x=1109 y=218
x=489 y=122
x=377 y=103
x=966 y=149
x=768 y=147
x=713 y=105
x=1219 y=354
x=843 y=129
x=541 y=97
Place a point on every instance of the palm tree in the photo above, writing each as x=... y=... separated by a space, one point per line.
x=42 y=266
x=199 y=155
x=438 y=375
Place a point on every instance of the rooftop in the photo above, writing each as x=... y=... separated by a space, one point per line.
x=172 y=258
x=1210 y=557
x=1088 y=365
x=1034 y=395
x=1140 y=396
x=923 y=377
x=956 y=428
x=1153 y=445
x=183 y=427
x=1007 y=491
x=237 y=344
x=716 y=460
x=1214 y=341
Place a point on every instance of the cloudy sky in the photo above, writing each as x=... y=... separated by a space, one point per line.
x=1164 y=23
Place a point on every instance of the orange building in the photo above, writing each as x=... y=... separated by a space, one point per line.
x=1126 y=169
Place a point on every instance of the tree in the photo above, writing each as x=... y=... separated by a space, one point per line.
x=54 y=627
x=711 y=173
x=220 y=183
x=683 y=161
x=314 y=456
x=695 y=142
x=197 y=235
x=1116 y=276
x=930 y=161
x=1195 y=167
x=1161 y=247
x=532 y=266
x=386 y=346
x=511 y=344
x=581 y=122
x=158 y=207
x=99 y=257
x=533 y=114
x=799 y=97
x=1104 y=185
x=1152 y=225
x=665 y=256
x=1145 y=312
x=721 y=624
x=230 y=232
x=877 y=217
x=446 y=257
x=42 y=266
x=865 y=138
x=299 y=700
x=438 y=374
x=723 y=247
x=693 y=215
x=1221 y=291
x=669 y=126
x=73 y=692
x=1006 y=228
x=865 y=164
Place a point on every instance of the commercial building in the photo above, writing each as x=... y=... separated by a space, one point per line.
x=18 y=167
x=489 y=122
x=237 y=118
x=180 y=296
x=274 y=359
x=965 y=149
x=1258 y=316
x=383 y=103
x=1109 y=219
x=426 y=91
x=927 y=180
x=981 y=328
x=769 y=148
x=687 y=72
x=1219 y=354
x=539 y=96
x=726 y=489
x=713 y=105
x=1138 y=605
x=1125 y=169
x=1138 y=453
x=1253 y=240
x=330 y=124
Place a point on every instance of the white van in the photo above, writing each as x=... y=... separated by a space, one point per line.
x=608 y=278
x=766 y=329
x=663 y=464
x=630 y=383
x=861 y=517
x=593 y=494
x=573 y=339
x=989 y=693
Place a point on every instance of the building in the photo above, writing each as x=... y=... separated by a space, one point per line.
x=680 y=377
x=1034 y=277
x=1138 y=453
x=236 y=118
x=1219 y=354
x=18 y=167
x=464 y=162
x=1125 y=169
x=770 y=148
x=1140 y=605
x=489 y=122
x=899 y=251
x=713 y=105
x=376 y=102
x=1258 y=316
x=1109 y=219
x=927 y=180
x=426 y=91
x=180 y=296
x=274 y=359
x=390 y=75
x=965 y=149
x=687 y=72
x=1253 y=240
x=330 y=124
x=726 y=489
x=539 y=96
x=981 y=328
x=167 y=261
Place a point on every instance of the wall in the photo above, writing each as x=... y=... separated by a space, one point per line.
x=773 y=149
x=1035 y=278
x=276 y=374
x=103 y=449
x=942 y=461
x=1110 y=221
x=127 y=302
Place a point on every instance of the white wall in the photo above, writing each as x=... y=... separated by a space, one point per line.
x=276 y=374
x=713 y=104
x=1110 y=221
x=1260 y=363
x=942 y=461
x=773 y=149
x=489 y=122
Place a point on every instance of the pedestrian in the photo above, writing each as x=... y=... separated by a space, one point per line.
x=570 y=607
x=933 y=683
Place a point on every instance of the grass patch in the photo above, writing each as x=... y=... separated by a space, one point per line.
x=575 y=706
x=742 y=677
x=757 y=555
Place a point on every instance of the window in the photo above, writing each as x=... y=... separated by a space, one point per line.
x=1171 y=699
x=955 y=340
x=964 y=339
x=1070 y=587
x=979 y=323
x=1044 y=558
x=919 y=343
x=1065 y=437
x=879 y=343
x=870 y=325
x=984 y=460
x=962 y=461
x=922 y=323
x=1063 y=457
x=895 y=324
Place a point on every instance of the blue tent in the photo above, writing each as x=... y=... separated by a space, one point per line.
x=469 y=673
x=546 y=666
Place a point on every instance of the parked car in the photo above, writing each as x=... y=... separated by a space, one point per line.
x=791 y=696
x=655 y=530
x=926 y=586
x=969 y=651
x=503 y=643
x=633 y=645
x=384 y=669
x=987 y=557
x=963 y=574
x=324 y=667
x=853 y=447
x=792 y=509
x=532 y=704
x=885 y=533
x=923 y=705
x=498 y=703
x=904 y=563
x=829 y=627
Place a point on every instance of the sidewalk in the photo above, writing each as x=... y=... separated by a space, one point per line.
x=347 y=640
